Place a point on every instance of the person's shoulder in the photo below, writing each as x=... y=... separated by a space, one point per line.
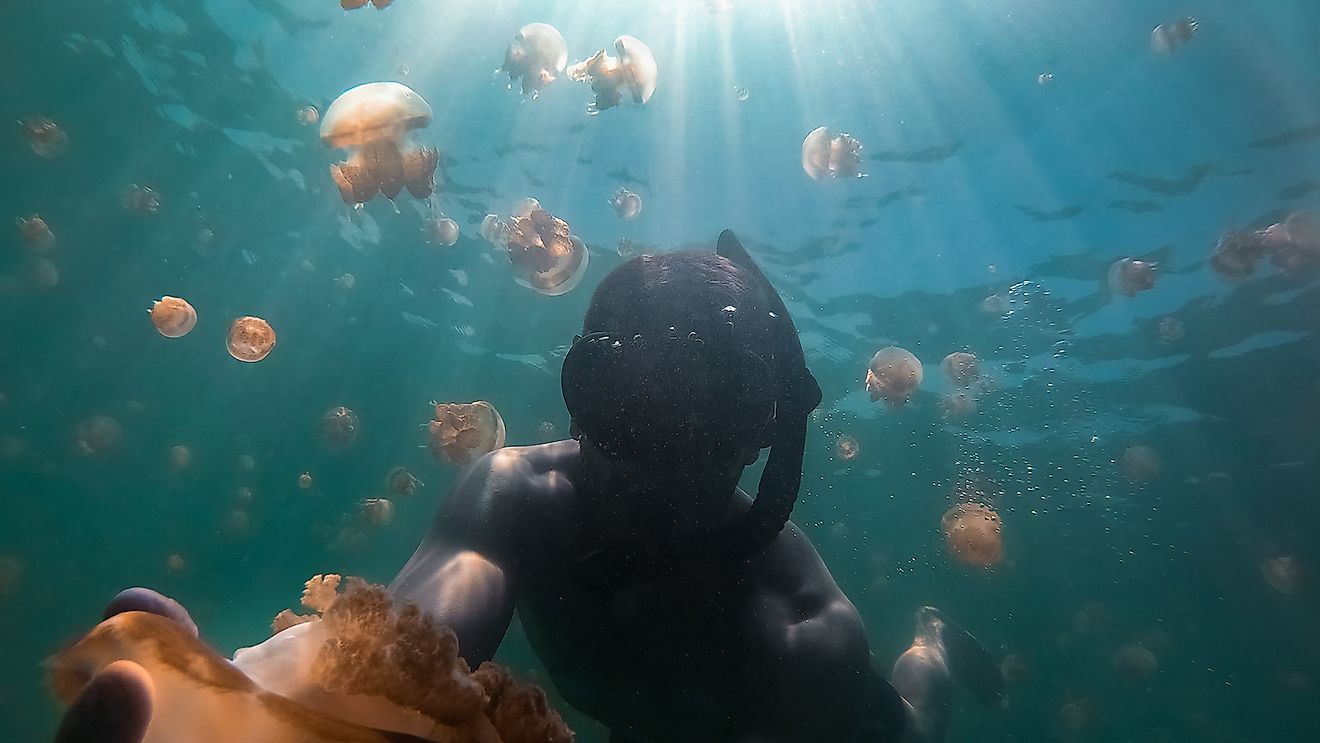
x=518 y=476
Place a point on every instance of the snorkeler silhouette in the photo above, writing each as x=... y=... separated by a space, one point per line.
x=663 y=601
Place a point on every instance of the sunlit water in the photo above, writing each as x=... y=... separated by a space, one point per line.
x=995 y=202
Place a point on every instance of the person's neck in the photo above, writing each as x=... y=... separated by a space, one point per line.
x=668 y=510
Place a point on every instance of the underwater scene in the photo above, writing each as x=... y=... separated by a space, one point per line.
x=282 y=273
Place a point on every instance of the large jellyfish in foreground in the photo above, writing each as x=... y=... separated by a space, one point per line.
x=1167 y=37
x=462 y=432
x=373 y=122
x=173 y=317
x=538 y=53
x=972 y=532
x=250 y=339
x=829 y=155
x=546 y=256
x=1128 y=276
x=893 y=375
x=634 y=70
x=361 y=669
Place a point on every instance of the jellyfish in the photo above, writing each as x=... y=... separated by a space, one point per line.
x=546 y=429
x=377 y=511
x=180 y=457
x=308 y=115
x=626 y=204
x=1140 y=463
x=1014 y=668
x=1295 y=242
x=1045 y=78
x=237 y=521
x=961 y=368
x=175 y=563
x=972 y=532
x=173 y=317
x=495 y=231
x=626 y=248
x=355 y=4
x=243 y=494
x=247 y=463
x=46 y=138
x=634 y=69
x=1171 y=329
x=373 y=121
x=346 y=281
x=847 y=448
x=462 y=432
x=402 y=482
x=1167 y=37
x=139 y=199
x=537 y=54
x=1076 y=715
x=1236 y=254
x=250 y=339
x=11 y=574
x=828 y=155
x=42 y=273
x=1136 y=661
x=98 y=434
x=545 y=255
x=1128 y=276
x=441 y=230
x=894 y=374
x=35 y=232
x=339 y=428
x=1284 y=574
x=305 y=481
x=958 y=404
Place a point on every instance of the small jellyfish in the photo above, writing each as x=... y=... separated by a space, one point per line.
x=961 y=368
x=1295 y=242
x=346 y=281
x=525 y=206
x=462 y=432
x=35 y=232
x=893 y=375
x=243 y=494
x=250 y=339
x=175 y=563
x=959 y=404
x=378 y=511
x=546 y=429
x=139 y=199
x=1014 y=668
x=246 y=463
x=537 y=54
x=42 y=273
x=173 y=317
x=994 y=304
x=237 y=522
x=305 y=481
x=46 y=138
x=308 y=115
x=973 y=533
x=544 y=253
x=180 y=457
x=742 y=94
x=1045 y=78
x=402 y=482
x=626 y=248
x=1076 y=715
x=626 y=204
x=828 y=155
x=11 y=574
x=1140 y=463
x=1236 y=254
x=1128 y=276
x=1171 y=329
x=1136 y=661
x=1167 y=37
x=373 y=122
x=634 y=69
x=99 y=434
x=1284 y=574
x=847 y=448
x=442 y=231
x=339 y=428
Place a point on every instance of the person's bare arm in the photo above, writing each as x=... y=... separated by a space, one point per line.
x=464 y=573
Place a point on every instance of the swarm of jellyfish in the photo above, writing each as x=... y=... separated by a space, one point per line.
x=973 y=534
x=339 y=428
x=634 y=71
x=536 y=56
x=45 y=137
x=462 y=432
x=545 y=255
x=173 y=317
x=35 y=232
x=893 y=376
x=1167 y=37
x=139 y=199
x=99 y=434
x=1140 y=463
x=250 y=339
x=626 y=204
x=828 y=155
x=401 y=482
x=1129 y=276
x=441 y=231
x=374 y=122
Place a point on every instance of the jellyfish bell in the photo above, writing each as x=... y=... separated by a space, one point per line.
x=442 y=231
x=462 y=432
x=893 y=375
x=305 y=481
x=961 y=368
x=1167 y=37
x=180 y=457
x=378 y=511
x=1014 y=668
x=537 y=54
x=1284 y=574
x=373 y=122
x=634 y=70
x=1171 y=329
x=626 y=204
x=34 y=231
x=1140 y=463
x=250 y=339
x=139 y=199
x=99 y=434
x=1045 y=78
x=545 y=255
x=495 y=231
x=828 y=155
x=525 y=206
x=401 y=482
x=175 y=562
x=847 y=448
x=42 y=273
x=173 y=317
x=308 y=115
x=973 y=534
x=346 y=281
x=1076 y=715
x=1236 y=254
x=959 y=404
x=339 y=428
x=1129 y=276
x=1136 y=661
x=46 y=138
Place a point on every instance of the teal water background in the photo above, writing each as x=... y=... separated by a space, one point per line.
x=198 y=99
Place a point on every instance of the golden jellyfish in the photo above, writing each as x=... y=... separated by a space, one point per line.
x=442 y=231
x=961 y=368
x=973 y=533
x=893 y=375
x=250 y=339
x=139 y=199
x=626 y=204
x=1014 y=668
x=545 y=255
x=42 y=273
x=173 y=317
x=98 y=434
x=847 y=448
x=180 y=457
x=1167 y=37
x=1171 y=329
x=305 y=481
x=377 y=511
x=373 y=122
x=1236 y=254
x=536 y=56
x=35 y=232
x=46 y=138
x=1140 y=463
x=175 y=563
x=1136 y=661
x=1284 y=574
x=308 y=115
x=634 y=70
x=462 y=432
x=402 y=482
x=339 y=428
x=828 y=155
x=1129 y=276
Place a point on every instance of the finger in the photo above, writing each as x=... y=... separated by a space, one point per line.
x=114 y=707
x=153 y=602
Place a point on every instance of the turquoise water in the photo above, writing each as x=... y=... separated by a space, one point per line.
x=982 y=183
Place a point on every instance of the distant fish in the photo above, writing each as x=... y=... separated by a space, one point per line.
x=418 y=320
x=509 y=149
x=1057 y=215
x=1299 y=189
x=623 y=175
x=407 y=289
x=868 y=222
x=457 y=298
x=249 y=257
x=1136 y=207
x=1174 y=186
x=1292 y=464
x=459 y=275
x=838 y=224
x=532 y=179
x=926 y=155
x=1291 y=136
